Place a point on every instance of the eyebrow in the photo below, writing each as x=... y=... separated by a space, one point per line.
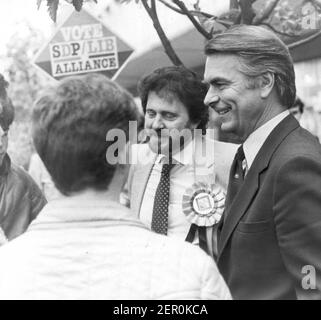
x=171 y=112
x=163 y=111
x=216 y=79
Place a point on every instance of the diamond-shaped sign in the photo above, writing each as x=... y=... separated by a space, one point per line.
x=83 y=44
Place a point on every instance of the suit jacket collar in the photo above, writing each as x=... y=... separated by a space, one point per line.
x=92 y=207
x=5 y=166
x=251 y=182
x=140 y=182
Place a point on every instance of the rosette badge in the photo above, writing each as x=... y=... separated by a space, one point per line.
x=203 y=204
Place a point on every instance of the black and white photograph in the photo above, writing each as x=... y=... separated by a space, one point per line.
x=163 y=150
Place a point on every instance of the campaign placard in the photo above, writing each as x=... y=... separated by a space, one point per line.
x=83 y=44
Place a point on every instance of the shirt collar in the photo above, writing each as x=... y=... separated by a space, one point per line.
x=254 y=142
x=184 y=156
x=89 y=205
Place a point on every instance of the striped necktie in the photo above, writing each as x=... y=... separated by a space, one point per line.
x=236 y=178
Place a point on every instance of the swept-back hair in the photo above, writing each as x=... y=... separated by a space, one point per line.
x=259 y=51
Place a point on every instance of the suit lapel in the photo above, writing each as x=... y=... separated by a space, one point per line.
x=251 y=183
x=140 y=178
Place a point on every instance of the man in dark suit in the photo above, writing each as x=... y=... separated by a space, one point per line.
x=269 y=243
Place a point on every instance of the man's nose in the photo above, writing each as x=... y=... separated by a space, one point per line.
x=158 y=123
x=211 y=98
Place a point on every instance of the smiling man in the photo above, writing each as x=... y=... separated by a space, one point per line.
x=176 y=189
x=164 y=114
x=271 y=229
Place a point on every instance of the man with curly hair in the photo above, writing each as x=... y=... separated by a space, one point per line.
x=179 y=177
x=85 y=245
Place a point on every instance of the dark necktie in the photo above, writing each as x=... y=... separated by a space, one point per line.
x=236 y=177
x=161 y=201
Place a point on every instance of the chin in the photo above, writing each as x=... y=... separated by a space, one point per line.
x=227 y=134
x=156 y=147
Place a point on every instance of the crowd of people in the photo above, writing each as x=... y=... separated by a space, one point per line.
x=176 y=214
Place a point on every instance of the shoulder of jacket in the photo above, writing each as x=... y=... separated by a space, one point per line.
x=21 y=174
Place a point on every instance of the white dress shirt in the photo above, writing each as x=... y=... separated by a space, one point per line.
x=255 y=140
x=207 y=162
x=182 y=176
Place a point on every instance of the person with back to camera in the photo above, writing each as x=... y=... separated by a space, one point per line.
x=85 y=245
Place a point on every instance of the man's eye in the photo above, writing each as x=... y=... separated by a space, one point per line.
x=170 y=116
x=150 y=113
x=220 y=85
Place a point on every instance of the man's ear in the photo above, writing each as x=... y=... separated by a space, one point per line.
x=267 y=81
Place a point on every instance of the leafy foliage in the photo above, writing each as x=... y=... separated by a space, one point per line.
x=284 y=17
x=77 y=4
x=53 y=6
x=25 y=82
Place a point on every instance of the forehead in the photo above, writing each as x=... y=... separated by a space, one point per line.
x=165 y=101
x=223 y=66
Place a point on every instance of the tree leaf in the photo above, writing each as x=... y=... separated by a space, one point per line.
x=77 y=4
x=52 y=8
x=38 y=3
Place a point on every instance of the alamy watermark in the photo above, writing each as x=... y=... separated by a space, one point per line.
x=120 y=150
x=309 y=280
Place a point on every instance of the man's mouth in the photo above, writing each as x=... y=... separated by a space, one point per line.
x=223 y=111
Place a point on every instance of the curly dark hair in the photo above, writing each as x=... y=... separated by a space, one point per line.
x=6 y=107
x=180 y=83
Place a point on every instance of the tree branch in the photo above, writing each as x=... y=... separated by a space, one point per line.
x=316 y=3
x=196 y=24
x=234 y=4
x=300 y=42
x=162 y=36
x=277 y=31
x=247 y=11
x=153 y=7
x=266 y=13
x=193 y=12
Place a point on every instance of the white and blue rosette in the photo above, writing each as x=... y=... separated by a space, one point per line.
x=203 y=206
